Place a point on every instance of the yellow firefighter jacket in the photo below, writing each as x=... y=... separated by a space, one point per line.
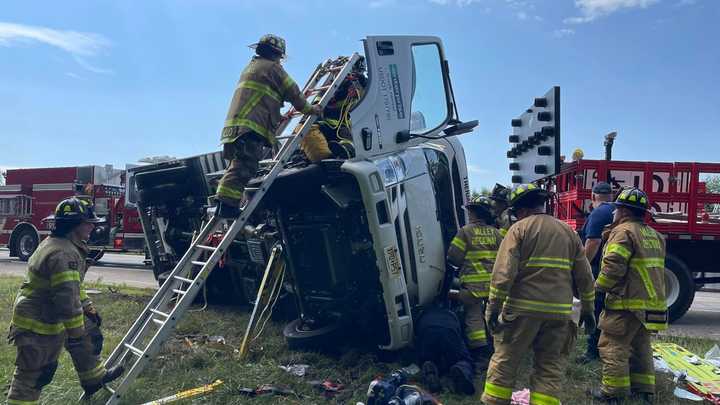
x=632 y=272
x=49 y=300
x=473 y=250
x=260 y=93
x=539 y=263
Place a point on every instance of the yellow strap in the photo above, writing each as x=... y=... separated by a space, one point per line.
x=537 y=398
x=476 y=278
x=482 y=254
x=498 y=391
x=646 y=379
x=497 y=293
x=619 y=249
x=253 y=101
x=588 y=296
x=549 y=262
x=605 y=282
x=288 y=82
x=225 y=191
x=540 y=306
x=242 y=122
x=503 y=232
x=616 y=382
x=261 y=88
x=38 y=327
x=93 y=374
x=11 y=401
x=635 y=304
x=64 y=277
x=477 y=335
x=74 y=322
x=459 y=243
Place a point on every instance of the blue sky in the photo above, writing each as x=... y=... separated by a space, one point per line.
x=114 y=81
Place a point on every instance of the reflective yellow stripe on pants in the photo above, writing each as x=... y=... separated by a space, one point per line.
x=616 y=382
x=537 y=398
x=498 y=391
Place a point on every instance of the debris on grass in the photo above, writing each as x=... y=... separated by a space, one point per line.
x=521 y=397
x=298 y=370
x=191 y=393
x=696 y=375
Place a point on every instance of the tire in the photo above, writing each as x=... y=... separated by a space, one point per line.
x=300 y=337
x=27 y=242
x=679 y=287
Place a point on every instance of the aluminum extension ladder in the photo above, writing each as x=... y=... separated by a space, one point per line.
x=155 y=324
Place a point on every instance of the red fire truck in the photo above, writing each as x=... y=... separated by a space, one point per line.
x=685 y=211
x=30 y=195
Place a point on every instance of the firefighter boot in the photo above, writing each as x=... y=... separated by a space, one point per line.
x=111 y=374
x=227 y=211
x=431 y=376
x=602 y=397
x=461 y=375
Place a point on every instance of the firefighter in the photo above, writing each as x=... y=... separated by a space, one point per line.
x=473 y=251
x=49 y=313
x=503 y=217
x=253 y=117
x=591 y=234
x=539 y=262
x=632 y=278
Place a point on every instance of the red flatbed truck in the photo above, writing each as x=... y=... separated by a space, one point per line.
x=685 y=211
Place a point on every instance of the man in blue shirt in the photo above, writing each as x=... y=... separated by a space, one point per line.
x=591 y=234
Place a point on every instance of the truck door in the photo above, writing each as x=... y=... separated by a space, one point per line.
x=407 y=93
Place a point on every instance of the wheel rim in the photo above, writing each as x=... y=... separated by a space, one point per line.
x=672 y=287
x=27 y=245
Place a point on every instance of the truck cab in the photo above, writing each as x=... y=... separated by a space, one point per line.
x=364 y=238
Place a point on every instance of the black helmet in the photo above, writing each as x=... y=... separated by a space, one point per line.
x=633 y=198
x=499 y=193
x=274 y=42
x=520 y=192
x=75 y=210
x=482 y=206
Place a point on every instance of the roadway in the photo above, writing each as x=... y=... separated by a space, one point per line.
x=703 y=319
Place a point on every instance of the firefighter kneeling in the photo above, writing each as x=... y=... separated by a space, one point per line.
x=49 y=313
x=531 y=298
x=632 y=275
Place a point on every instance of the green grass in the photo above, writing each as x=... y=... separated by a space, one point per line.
x=180 y=367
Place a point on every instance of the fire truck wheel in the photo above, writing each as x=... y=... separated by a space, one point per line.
x=301 y=336
x=27 y=242
x=679 y=287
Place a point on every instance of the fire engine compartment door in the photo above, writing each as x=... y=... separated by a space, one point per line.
x=407 y=91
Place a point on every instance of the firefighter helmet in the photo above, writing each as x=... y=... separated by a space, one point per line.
x=274 y=42
x=482 y=207
x=75 y=210
x=499 y=193
x=633 y=198
x=522 y=191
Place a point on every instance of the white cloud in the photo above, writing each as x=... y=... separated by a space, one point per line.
x=564 y=32
x=73 y=75
x=593 y=9
x=79 y=44
x=475 y=169
x=521 y=15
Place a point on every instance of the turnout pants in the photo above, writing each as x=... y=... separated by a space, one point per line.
x=550 y=341
x=475 y=324
x=626 y=355
x=244 y=155
x=37 y=360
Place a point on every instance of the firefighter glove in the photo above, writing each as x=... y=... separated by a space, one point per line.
x=493 y=320
x=587 y=320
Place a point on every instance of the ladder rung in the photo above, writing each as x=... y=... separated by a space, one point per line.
x=155 y=311
x=183 y=279
x=198 y=263
x=281 y=137
x=134 y=350
x=203 y=247
x=319 y=89
x=110 y=390
x=159 y=322
x=176 y=291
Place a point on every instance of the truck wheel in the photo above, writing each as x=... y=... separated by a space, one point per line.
x=299 y=335
x=27 y=242
x=679 y=287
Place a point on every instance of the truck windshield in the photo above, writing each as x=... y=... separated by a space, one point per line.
x=439 y=170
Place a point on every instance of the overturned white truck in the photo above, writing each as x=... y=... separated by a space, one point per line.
x=364 y=238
